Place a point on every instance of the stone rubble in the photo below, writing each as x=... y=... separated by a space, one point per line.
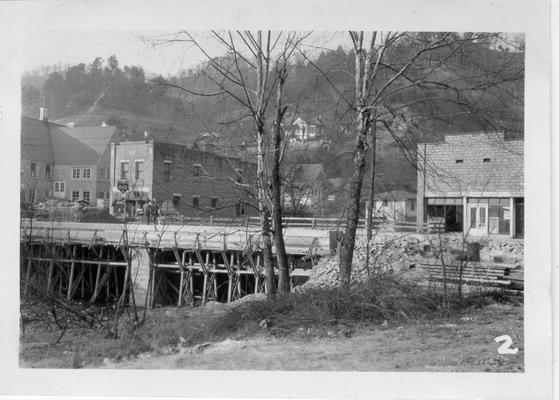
x=395 y=253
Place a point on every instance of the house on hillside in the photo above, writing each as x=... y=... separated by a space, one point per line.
x=62 y=162
x=182 y=180
x=395 y=205
x=303 y=190
x=473 y=183
x=306 y=131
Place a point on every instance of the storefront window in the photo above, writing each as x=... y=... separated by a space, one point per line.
x=499 y=214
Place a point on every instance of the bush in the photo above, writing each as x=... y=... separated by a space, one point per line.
x=383 y=299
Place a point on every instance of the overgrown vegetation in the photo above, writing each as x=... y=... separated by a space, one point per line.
x=382 y=302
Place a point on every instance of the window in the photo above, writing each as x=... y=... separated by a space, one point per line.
x=101 y=195
x=139 y=170
x=197 y=173
x=213 y=202
x=102 y=173
x=75 y=173
x=167 y=171
x=459 y=161
x=124 y=170
x=75 y=195
x=486 y=160
x=48 y=171
x=31 y=196
x=86 y=173
x=412 y=205
x=219 y=162
x=33 y=170
x=176 y=200
x=86 y=196
x=58 y=187
x=195 y=201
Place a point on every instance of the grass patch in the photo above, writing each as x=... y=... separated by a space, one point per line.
x=382 y=303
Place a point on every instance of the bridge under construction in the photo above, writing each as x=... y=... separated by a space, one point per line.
x=155 y=264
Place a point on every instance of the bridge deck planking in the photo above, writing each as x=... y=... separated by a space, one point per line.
x=297 y=240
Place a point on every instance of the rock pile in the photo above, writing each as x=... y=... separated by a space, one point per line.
x=392 y=252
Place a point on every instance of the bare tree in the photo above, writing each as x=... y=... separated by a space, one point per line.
x=395 y=71
x=253 y=70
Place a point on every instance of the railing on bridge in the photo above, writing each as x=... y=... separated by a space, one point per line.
x=288 y=222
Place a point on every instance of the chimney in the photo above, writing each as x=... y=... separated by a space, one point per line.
x=44 y=112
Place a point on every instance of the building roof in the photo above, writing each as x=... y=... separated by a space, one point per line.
x=479 y=165
x=396 y=195
x=35 y=140
x=81 y=145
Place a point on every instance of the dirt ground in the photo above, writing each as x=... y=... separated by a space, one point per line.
x=463 y=343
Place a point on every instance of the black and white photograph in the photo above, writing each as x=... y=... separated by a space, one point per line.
x=275 y=198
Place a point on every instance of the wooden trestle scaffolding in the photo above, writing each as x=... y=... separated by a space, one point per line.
x=181 y=265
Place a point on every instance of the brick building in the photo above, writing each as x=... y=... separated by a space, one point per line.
x=64 y=163
x=182 y=180
x=474 y=183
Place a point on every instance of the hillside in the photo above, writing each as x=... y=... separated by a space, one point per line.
x=136 y=102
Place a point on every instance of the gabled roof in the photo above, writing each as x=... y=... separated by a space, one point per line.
x=35 y=140
x=80 y=145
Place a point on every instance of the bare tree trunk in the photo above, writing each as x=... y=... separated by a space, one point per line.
x=262 y=68
x=362 y=75
x=354 y=200
x=371 y=206
x=263 y=209
x=281 y=255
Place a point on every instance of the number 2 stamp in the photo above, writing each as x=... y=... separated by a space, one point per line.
x=505 y=348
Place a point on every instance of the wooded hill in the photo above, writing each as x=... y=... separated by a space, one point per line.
x=464 y=100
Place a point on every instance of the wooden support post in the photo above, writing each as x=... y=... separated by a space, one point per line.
x=230 y=273
x=181 y=285
x=117 y=292
x=28 y=272
x=153 y=289
x=96 y=288
x=125 y=283
x=50 y=274
x=82 y=273
x=72 y=268
x=108 y=272
x=204 y=288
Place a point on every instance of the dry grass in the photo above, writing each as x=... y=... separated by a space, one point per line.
x=329 y=315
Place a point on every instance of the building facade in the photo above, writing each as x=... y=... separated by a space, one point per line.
x=66 y=163
x=473 y=183
x=181 y=180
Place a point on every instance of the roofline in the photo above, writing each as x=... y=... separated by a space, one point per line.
x=474 y=133
x=39 y=120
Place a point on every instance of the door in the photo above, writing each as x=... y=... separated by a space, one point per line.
x=478 y=219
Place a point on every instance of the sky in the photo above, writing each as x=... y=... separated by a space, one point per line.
x=51 y=47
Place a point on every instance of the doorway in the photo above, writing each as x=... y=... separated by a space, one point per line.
x=477 y=215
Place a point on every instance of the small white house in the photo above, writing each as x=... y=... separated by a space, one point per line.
x=395 y=205
x=303 y=131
